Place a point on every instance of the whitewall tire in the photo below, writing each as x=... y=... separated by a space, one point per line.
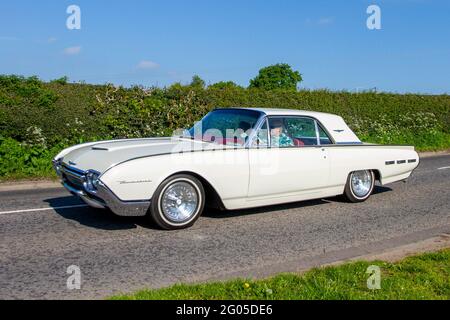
x=178 y=202
x=359 y=185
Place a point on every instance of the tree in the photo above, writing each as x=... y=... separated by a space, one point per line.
x=222 y=85
x=197 y=82
x=278 y=76
x=62 y=80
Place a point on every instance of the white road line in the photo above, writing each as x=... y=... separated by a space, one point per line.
x=443 y=168
x=44 y=209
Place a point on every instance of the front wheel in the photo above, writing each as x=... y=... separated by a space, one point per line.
x=177 y=202
x=359 y=185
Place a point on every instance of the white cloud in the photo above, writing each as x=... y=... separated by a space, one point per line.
x=72 y=50
x=147 y=64
x=51 y=40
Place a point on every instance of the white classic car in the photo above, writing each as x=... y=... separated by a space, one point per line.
x=233 y=158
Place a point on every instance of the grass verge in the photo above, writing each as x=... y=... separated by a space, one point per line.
x=425 y=276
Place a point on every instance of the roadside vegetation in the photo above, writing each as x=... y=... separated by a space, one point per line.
x=38 y=119
x=422 y=277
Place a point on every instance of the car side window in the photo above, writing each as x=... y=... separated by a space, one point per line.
x=279 y=137
x=301 y=130
x=324 y=138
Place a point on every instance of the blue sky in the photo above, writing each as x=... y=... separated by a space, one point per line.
x=157 y=42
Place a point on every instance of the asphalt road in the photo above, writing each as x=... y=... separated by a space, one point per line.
x=41 y=235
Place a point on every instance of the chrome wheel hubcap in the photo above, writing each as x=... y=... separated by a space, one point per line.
x=361 y=183
x=179 y=201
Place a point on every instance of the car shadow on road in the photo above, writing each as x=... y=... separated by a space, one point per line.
x=221 y=214
x=104 y=219
x=380 y=189
x=95 y=218
x=218 y=214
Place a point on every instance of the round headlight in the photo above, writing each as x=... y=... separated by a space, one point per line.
x=95 y=180
x=92 y=181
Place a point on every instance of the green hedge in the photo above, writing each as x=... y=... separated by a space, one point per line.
x=46 y=116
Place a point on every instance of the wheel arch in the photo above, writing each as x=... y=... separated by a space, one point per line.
x=213 y=198
x=377 y=174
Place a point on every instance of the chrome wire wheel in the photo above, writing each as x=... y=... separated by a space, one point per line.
x=179 y=201
x=361 y=183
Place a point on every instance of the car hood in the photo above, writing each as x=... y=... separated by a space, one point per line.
x=102 y=155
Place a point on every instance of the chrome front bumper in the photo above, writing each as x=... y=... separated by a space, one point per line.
x=74 y=181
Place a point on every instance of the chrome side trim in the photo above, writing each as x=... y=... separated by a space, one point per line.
x=317 y=132
x=350 y=143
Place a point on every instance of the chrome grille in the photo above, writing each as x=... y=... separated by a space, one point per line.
x=73 y=176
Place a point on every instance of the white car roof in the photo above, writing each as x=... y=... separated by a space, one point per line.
x=334 y=124
x=280 y=111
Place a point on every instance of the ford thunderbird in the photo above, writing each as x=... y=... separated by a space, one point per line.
x=231 y=159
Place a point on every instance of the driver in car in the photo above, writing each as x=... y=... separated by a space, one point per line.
x=277 y=137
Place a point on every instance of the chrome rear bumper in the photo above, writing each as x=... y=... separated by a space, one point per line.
x=73 y=180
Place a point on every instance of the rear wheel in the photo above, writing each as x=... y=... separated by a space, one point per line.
x=359 y=185
x=178 y=202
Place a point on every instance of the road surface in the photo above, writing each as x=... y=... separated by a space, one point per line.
x=44 y=231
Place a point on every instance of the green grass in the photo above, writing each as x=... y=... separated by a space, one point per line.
x=425 y=276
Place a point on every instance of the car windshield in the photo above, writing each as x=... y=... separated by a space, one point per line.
x=225 y=126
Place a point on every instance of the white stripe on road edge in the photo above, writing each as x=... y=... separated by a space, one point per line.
x=442 y=168
x=44 y=209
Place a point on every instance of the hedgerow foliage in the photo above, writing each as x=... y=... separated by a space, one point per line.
x=35 y=114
